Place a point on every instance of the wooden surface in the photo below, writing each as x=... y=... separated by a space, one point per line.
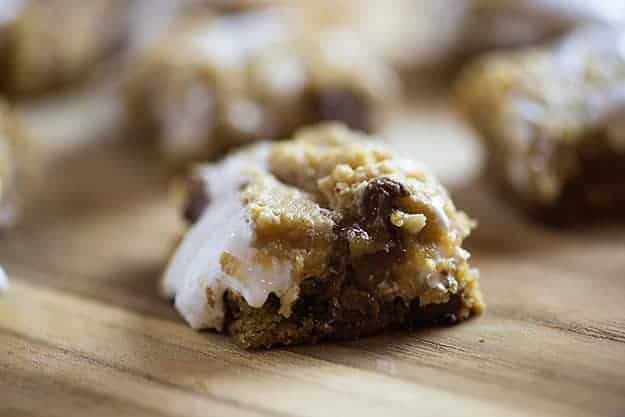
x=83 y=332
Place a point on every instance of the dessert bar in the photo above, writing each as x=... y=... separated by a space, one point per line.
x=325 y=236
x=553 y=120
x=214 y=82
x=46 y=43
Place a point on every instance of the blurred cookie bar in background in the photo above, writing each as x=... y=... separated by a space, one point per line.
x=329 y=235
x=47 y=43
x=423 y=34
x=509 y=23
x=216 y=81
x=553 y=119
x=35 y=55
x=147 y=20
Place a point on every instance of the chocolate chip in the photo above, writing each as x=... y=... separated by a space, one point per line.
x=317 y=299
x=378 y=202
x=197 y=201
x=273 y=303
x=344 y=106
x=596 y=192
x=448 y=319
x=359 y=305
x=371 y=270
x=444 y=314
x=345 y=297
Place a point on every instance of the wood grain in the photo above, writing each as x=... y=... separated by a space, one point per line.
x=82 y=330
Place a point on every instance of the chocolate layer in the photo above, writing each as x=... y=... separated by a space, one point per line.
x=343 y=304
x=317 y=317
x=596 y=192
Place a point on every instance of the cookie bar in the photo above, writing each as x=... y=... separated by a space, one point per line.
x=12 y=149
x=553 y=119
x=325 y=236
x=219 y=81
x=45 y=43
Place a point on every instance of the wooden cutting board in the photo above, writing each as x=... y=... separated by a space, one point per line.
x=83 y=331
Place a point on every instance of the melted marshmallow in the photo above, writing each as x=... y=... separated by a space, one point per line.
x=9 y=10
x=4 y=281
x=442 y=282
x=230 y=41
x=572 y=11
x=8 y=212
x=185 y=119
x=195 y=276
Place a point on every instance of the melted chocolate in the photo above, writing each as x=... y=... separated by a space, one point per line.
x=197 y=201
x=344 y=106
